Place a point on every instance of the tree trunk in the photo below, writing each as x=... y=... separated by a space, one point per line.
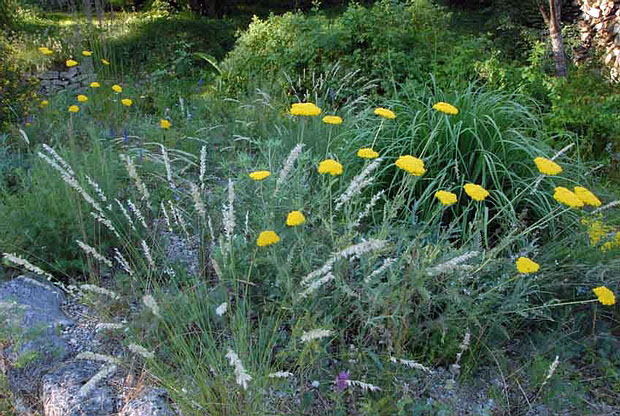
x=552 y=20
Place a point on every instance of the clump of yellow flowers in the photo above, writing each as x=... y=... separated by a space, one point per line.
x=331 y=167
x=259 y=175
x=446 y=108
x=305 y=109
x=411 y=164
x=267 y=238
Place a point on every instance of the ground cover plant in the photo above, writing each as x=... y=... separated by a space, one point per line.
x=325 y=240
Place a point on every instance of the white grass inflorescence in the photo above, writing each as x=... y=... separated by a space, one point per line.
x=241 y=375
x=288 y=165
x=133 y=174
x=166 y=217
x=198 y=204
x=228 y=214
x=313 y=334
x=105 y=372
x=106 y=223
x=281 y=374
x=13 y=258
x=97 y=189
x=150 y=302
x=91 y=250
x=364 y=386
x=203 y=166
x=93 y=356
x=126 y=214
x=369 y=206
x=164 y=154
x=108 y=326
x=452 y=264
x=136 y=212
x=147 y=254
x=411 y=364
x=358 y=183
x=141 y=351
x=221 y=310
x=386 y=265
x=100 y=291
x=122 y=262
x=312 y=287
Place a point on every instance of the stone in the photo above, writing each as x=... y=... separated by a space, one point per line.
x=30 y=344
x=60 y=392
x=152 y=402
x=49 y=75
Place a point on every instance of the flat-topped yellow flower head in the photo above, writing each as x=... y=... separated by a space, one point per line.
x=87 y=53
x=587 y=197
x=117 y=88
x=295 y=218
x=127 y=102
x=411 y=164
x=44 y=103
x=547 y=167
x=604 y=295
x=330 y=166
x=267 y=238
x=446 y=198
x=74 y=109
x=332 y=120
x=367 y=153
x=45 y=50
x=164 y=124
x=566 y=197
x=105 y=62
x=259 y=175
x=305 y=109
x=385 y=113
x=476 y=192
x=71 y=62
x=526 y=266
x=95 y=84
x=82 y=98
x=446 y=108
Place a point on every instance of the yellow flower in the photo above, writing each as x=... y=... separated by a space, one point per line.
x=367 y=153
x=71 y=62
x=46 y=51
x=332 y=120
x=127 y=102
x=612 y=244
x=305 y=109
x=587 y=197
x=259 y=175
x=566 y=197
x=267 y=238
x=446 y=198
x=103 y=61
x=411 y=164
x=525 y=265
x=476 y=192
x=330 y=166
x=597 y=230
x=87 y=53
x=95 y=84
x=74 y=109
x=446 y=108
x=164 y=124
x=295 y=218
x=82 y=98
x=117 y=88
x=604 y=295
x=547 y=167
x=384 y=112
x=44 y=103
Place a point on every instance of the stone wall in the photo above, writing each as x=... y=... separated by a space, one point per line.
x=72 y=79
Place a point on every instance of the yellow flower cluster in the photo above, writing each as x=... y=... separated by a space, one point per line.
x=476 y=192
x=526 y=266
x=82 y=98
x=587 y=197
x=330 y=166
x=615 y=243
x=70 y=63
x=295 y=218
x=305 y=109
x=164 y=124
x=267 y=238
x=446 y=108
x=567 y=197
x=117 y=88
x=446 y=198
x=604 y=295
x=95 y=84
x=127 y=102
x=259 y=175
x=411 y=164
x=87 y=53
x=332 y=120
x=385 y=113
x=367 y=153
x=45 y=50
x=74 y=109
x=547 y=167
x=105 y=62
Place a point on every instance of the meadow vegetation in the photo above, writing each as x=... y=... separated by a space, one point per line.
x=456 y=209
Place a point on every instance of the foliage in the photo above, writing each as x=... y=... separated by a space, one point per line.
x=17 y=90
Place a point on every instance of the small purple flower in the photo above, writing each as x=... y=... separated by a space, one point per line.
x=341 y=380
x=200 y=82
x=125 y=135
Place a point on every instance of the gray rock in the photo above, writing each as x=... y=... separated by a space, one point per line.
x=49 y=75
x=60 y=392
x=153 y=402
x=30 y=318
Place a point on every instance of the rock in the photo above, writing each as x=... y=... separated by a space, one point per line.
x=60 y=392
x=153 y=402
x=49 y=75
x=30 y=315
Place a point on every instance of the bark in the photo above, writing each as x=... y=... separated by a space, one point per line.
x=552 y=20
